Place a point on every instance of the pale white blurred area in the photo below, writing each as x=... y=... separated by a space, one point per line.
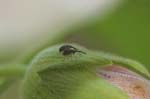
x=26 y=23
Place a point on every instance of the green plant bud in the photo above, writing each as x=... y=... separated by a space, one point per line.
x=69 y=71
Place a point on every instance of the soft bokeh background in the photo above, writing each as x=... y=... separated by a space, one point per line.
x=116 y=26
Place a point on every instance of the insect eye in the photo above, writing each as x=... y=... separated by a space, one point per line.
x=68 y=50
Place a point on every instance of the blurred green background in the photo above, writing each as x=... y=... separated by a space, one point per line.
x=125 y=31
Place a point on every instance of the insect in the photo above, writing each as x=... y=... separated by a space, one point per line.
x=69 y=50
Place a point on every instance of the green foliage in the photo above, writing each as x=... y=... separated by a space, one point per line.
x=125 y=31
x=52 y=75
x=9 y=73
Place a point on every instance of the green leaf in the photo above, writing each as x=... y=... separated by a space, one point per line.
x=9 y=73
x=52 y=75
